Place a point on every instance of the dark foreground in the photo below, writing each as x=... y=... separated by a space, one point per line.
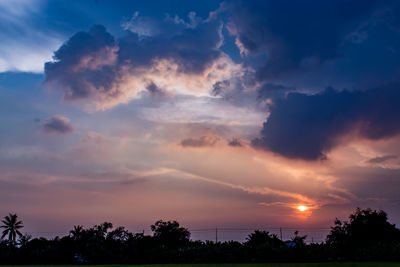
x=366 y=238
x=328 y=264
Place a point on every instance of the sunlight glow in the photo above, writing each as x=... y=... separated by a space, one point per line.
x=302 y=208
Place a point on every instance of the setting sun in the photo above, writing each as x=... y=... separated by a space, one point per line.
x=302 y=208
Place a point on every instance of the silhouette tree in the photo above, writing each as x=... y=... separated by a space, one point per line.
x=102 y=229
x=77 y=232
x=365 y=227
x=24 y=240
x=11 y=226
x=170 y=234
x=261 y=239
x=119 y=234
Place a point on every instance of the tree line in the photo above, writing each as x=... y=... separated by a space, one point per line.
x=366 y=235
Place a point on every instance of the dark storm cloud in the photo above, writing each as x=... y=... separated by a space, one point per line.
x=271 y=90
x=57 y=125
x=192 y=48
x=308 y=126
x=294 y=34
x=201 y=141
x=92 y=63
x=295 y=43
x=83 y=63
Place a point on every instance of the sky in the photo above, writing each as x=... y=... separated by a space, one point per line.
x=212 y=113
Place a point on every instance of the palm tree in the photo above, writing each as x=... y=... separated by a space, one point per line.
x=77 y=232
x=11 y=226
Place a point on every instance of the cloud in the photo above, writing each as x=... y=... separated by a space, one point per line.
x=308 y=126
x=142 y=26
x=238 y=89
x=92 y=138
x=83 y=65
x=19 y=32
x=235 y=142
x=382 y=159
x=201 y=141
x=219 y=87
x=57 y=125
x=155 y=91
x=178 y=57
x=272 y=90
x=293 y=35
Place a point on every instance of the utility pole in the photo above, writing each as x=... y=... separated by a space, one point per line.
x=280 y=230
x=216 y=235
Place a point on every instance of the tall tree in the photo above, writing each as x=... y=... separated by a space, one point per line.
x=169 y=234
x=365 y=227
x=11 y=224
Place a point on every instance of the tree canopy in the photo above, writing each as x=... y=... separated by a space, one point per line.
x=364 y=227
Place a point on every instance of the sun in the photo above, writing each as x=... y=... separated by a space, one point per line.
x=302 y=208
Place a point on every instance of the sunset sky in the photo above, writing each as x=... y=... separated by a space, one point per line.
x=213 y=113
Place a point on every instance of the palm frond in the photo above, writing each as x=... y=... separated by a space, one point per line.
x=19 y=233
x=5 y=232
x=11 y=224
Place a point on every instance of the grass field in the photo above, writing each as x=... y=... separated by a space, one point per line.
x=323 y=264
